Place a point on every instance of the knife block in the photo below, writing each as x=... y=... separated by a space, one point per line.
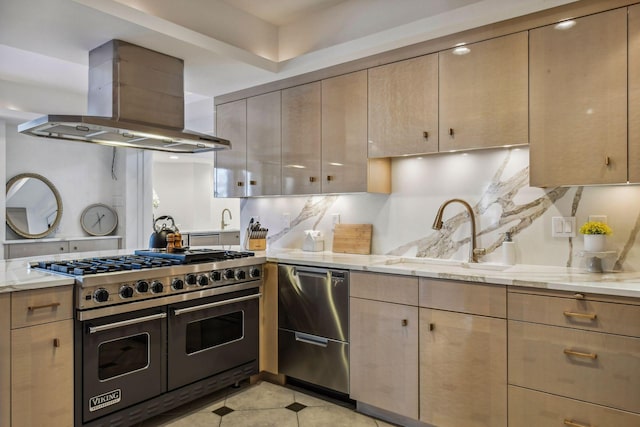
x=257 y=244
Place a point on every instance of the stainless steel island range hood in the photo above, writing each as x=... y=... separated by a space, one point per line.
x=136 y=99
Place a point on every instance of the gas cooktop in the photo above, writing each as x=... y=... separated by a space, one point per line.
x=148 y=275
x=142 y=259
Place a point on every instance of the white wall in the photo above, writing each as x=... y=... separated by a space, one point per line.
x=81 y=172
x=184 y=188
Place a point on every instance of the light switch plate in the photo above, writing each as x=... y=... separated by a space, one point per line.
x=563 y=226
x=336 y=218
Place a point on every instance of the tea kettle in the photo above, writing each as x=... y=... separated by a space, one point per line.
x=158 y=239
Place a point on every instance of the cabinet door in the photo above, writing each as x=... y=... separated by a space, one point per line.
x=578 y=101
x=634 y=93
x=231 y=124
x=301 y=139
x=484 y=94
x=384 y=355
x=263 y=145
x=463 y=369
x=344 y=133
x=403 y=107
x=42 y=375
x=5 y=359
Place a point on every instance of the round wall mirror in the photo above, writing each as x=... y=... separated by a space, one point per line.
x=34 y=207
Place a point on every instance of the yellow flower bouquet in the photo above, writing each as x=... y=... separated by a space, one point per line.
x=595 y=227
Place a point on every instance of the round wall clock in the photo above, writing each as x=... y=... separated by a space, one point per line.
x=99 y=219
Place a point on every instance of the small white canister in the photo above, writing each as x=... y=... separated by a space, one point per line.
x=313 y=241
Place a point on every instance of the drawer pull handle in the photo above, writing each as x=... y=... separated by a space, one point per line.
x=405 y=322
x=37 y=307
x=572 y=423
x=592 y=356
x=432 y=326
x=425 y=134
x=56 y=342
x=590 y=316
x=607 y=160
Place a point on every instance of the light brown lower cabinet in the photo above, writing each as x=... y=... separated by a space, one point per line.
x=5 y=359
x=384 y=355
x=42 y=375
x=463 y=369
x=534 y=408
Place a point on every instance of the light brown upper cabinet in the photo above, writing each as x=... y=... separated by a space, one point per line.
x=403 y=107
x=634 y=93
x=263 y=145
x=301 y=139
x=578 y=101
x=345 y=167
x=484 y=94
x=230 y=165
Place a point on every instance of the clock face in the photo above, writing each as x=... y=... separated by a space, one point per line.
x=99 y=220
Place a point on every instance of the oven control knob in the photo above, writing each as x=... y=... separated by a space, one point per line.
x=142 y=286
x=177 y=284
x=240 y=275
x=203 y=280
x=254 y=272
x=101 y=295
x=157 y=287
x=216 y=276
x=229 y=274
x=126 y=291
x=191 y=279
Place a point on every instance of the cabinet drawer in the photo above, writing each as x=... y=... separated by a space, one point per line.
x=384 y=287
x=204 y=239
x=590 y=366
x=599 y=316
x=464 y=297
x=38 y=306
x=19 y=250
x=533 y=408
x=93 y=245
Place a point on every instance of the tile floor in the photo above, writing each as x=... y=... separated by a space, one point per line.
x=263 y=405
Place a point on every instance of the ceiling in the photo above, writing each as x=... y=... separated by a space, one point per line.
x=227 y=45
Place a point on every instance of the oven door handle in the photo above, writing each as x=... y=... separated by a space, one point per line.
x=179 y=311
x=114 y=325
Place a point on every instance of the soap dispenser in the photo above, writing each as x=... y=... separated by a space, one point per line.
x=508 y=250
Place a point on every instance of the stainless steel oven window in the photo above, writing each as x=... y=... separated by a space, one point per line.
x=216 y=331
x=123 y=356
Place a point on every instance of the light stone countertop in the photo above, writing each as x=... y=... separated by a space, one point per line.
x=626 y=284
x=15 y=273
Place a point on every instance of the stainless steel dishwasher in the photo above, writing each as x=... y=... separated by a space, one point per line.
x=313 y=321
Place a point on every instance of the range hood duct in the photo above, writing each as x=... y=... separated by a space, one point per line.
x=136 y=99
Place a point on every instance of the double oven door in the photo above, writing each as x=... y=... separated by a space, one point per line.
x=123 y=361
x=212 y=335
x=130 y=358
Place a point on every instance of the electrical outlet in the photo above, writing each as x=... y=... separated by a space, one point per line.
x=336 y=218
x=286 y=220
x=563 y=226
x=598 y=218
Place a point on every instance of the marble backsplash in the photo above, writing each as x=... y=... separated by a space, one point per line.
x=493 y=182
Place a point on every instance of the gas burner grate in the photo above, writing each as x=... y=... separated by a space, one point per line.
x=89 y=266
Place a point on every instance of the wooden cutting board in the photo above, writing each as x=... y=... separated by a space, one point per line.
x=352 y=238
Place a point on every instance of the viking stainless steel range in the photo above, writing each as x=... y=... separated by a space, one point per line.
x=155 y=330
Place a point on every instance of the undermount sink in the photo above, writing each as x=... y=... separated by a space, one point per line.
x=415 y=263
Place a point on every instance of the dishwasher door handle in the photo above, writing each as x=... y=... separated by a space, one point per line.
x=312 y=339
